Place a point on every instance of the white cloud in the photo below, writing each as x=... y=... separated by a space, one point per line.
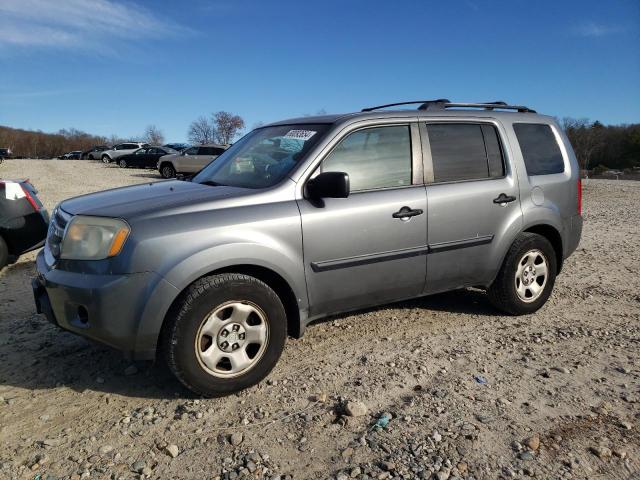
x=97 y=25
x=592 y=29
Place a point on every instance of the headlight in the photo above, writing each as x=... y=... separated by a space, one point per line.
x=94 y=238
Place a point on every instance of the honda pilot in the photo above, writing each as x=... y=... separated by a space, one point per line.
x=311 y=217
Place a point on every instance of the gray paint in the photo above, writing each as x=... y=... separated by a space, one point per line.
x=342 y=255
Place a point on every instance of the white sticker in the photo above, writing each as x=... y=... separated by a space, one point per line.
x=13 y=191
x=303 y=135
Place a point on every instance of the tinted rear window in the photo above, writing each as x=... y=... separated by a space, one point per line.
x=465 y=152
x=542 y=155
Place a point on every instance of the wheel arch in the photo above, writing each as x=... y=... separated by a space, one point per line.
x=552 y=234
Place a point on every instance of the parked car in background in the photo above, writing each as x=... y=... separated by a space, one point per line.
x=75 y=155
x=4 y=153
x=120 y=149
x=310 y=217
x=23 y=220
x=95 y=153
x=145 y=157
x=191 y=160
x=178 y=147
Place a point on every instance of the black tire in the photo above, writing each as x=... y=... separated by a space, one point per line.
x=167 y=170
x=182 y=327
x=123 y=163
x=503 y=292
x=106 y=159
x=4 y=253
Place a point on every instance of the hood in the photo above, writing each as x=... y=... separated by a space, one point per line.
x=129 y=202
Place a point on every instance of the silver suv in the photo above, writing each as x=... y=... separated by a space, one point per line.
x=121 y=149
x=310 y=217
x=190 y=160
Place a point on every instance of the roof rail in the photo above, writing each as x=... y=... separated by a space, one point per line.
x=422 y=102
x=443 y=104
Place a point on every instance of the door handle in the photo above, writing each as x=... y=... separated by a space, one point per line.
x=503 y=198
x=406 y=212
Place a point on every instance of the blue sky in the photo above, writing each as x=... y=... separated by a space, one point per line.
x=110 y=66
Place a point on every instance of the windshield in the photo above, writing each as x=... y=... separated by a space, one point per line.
x=263 y=157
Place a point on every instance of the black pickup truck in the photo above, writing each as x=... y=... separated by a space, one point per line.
x=23 y=220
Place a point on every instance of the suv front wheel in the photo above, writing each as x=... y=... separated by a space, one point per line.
x=167 y=170
x=226 y=334
x=527 y=275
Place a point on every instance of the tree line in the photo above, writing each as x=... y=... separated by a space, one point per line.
x=602 y=147
x=38 y=144
x=220 y=127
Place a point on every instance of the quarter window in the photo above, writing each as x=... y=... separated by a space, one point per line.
x=374 y=158
x=540 y=150
x=465 y=152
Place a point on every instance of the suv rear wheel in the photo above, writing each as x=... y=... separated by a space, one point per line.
x=167 y=170
x=106 y=159
x=527 y=275
x=122 y=163
x=226 y=334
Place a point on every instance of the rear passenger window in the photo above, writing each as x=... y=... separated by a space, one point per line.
x=540 y=150
x=465 y=152
x=374 y=158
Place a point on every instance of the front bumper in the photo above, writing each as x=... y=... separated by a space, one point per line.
x=104 y=308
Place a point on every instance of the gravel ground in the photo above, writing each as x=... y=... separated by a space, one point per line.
x=464 y=391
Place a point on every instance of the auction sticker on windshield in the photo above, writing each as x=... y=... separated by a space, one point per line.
x=303 y=135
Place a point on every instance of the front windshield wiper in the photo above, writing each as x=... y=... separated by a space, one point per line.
x=212 y=183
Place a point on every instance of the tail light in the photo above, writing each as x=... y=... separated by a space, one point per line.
x=30 y=198
x=579 y=196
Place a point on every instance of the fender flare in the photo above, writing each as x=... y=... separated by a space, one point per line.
x=219 y=257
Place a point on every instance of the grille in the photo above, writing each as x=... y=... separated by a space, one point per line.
x=57 y=225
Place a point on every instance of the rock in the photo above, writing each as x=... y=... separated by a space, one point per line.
x=562 y=369
x=617 y=452
x=347 y=453
x=436 y=436
x=130 y=370
x=44 y=418
x=355 y=408
x=601 y=452
x=172 y=450
x=146 y=471
x=388 y=466
x=443 y=474
x=342 y=476
x=103 y=450
x=138 y=466
x=462 y=468
x=526 y=456
x=319 y=397
x=236 y=439
x=52 y=442
x=533 y=442
x=355 y=472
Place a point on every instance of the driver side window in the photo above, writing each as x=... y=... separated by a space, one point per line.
x=374 y=158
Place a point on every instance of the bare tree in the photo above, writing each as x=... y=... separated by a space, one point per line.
x=153 y=135
x=227 y=126
x=201 y=131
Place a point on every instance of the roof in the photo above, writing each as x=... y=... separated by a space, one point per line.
x=437 y=108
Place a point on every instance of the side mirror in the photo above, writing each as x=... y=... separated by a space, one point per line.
x=329 y=185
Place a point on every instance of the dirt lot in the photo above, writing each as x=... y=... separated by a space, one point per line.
x=470 y=393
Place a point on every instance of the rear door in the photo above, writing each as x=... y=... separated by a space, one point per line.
x=360 y=250
x=473 y=202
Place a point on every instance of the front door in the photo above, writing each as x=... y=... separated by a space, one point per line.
x=369 y=248
x=473 y=203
